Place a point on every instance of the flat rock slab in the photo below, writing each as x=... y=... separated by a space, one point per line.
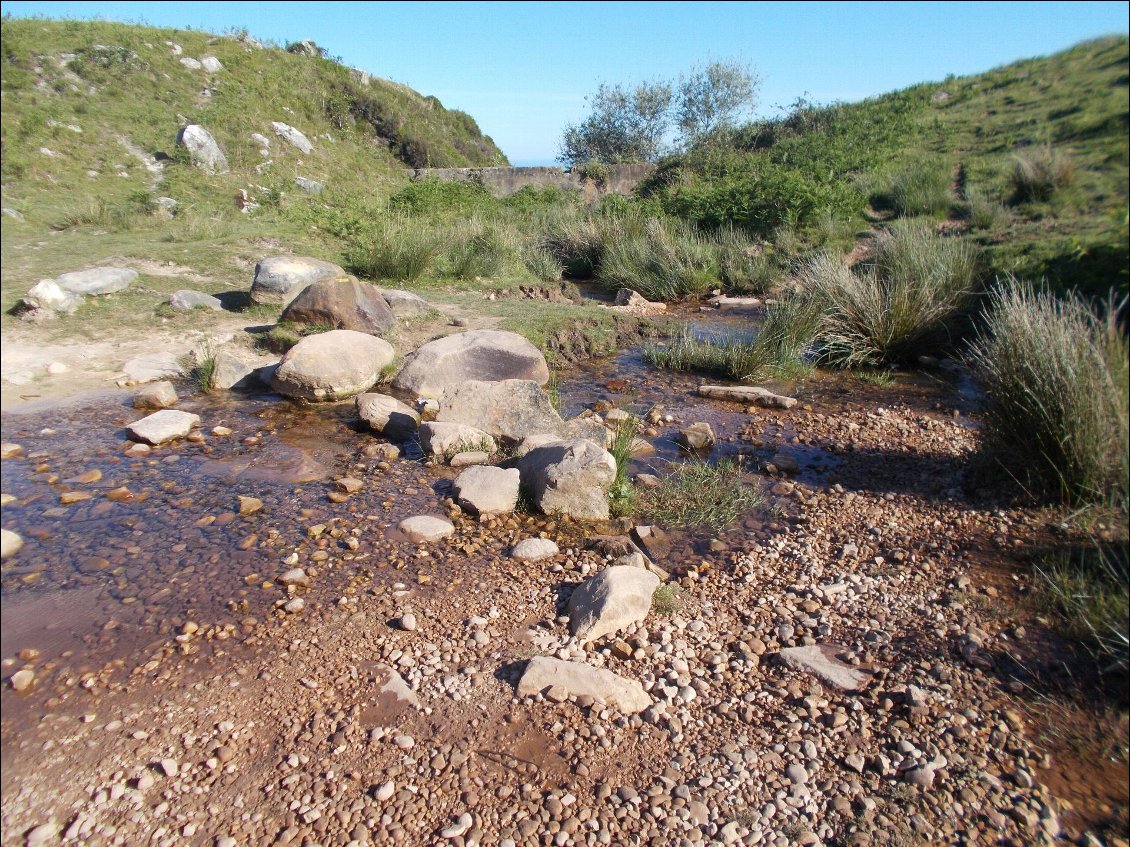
x=616 y=598
x=279 y=279
x=163 y=426
x=96 y=280
x=187 y=299
x=488 y=355
x=543 y=672
x=395 y=686
x=821 y=661
x=487 y=490
x=332 y=365
x=751 y=394
x=423 y=528
x=736 y=304
x=405 y=304
x=152 y=366
x=534 y=550
x=508 y=409
x=388 y=416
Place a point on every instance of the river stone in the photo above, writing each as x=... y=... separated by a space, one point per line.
x=821 y=661
x=152 y=366
x=697 y=436
x=580 y=680
x=158 y=395
x=233 y=373
x=292 y=136
x=388 y=416
x=395 y=685
x=488 y=355
x=343 y=303
x=166 y=425
x=96 y=280
x=534 y=550
x=332 y=365
x=735 y=304
x=186 y=299
x=469 y=458
x=510 y=410
x=487 y=490
x=405 y=304
x=589 y=428
x=421 y=528
x=48 y=295
x=448 y=439
x=569 y=477
x=748 y=394
x=614 y=599
x=10 y=543
x=279 y=279
x=203 y=149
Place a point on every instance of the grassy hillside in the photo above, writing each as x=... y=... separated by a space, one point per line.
x=943 y=150
x=85 y=103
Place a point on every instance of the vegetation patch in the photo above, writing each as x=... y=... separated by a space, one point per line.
x=697 y=494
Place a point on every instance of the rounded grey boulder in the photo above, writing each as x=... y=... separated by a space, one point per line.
x=279 y=279
x=488 y=355
x=333 y=365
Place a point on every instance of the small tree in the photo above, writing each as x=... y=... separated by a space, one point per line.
x=711 y=98
x=626 y=125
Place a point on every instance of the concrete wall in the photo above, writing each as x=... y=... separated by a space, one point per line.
x=502 y=182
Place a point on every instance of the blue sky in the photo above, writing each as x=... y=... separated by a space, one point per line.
x=522 y=70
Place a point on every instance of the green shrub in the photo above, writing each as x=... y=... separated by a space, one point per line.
x=897 y=308
x=662 y=260
x=697 y=494
x=433 y=196
x=1037 y=173
x=1055 y=377
x=920 y=188
x=400 y=249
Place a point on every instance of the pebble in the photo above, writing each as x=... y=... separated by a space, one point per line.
x=407 y=622
x=22 y=679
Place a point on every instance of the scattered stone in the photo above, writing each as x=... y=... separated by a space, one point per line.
x=295 y=576
x=56 y=368
x=509 y=410
x=96 y=281
x=310 y=186
x=158 y=395
x=211 y=64
x=332 y=365
x=534 y=550
x=9 y=450
x=448 y=439
x=231 y=373
x=424 y=528
x=750 y=395
x=186 y=299
x=342 y=303
x=698 y=437
x=48 y=297
x=487 y=490
x=570 y=477
x=279 y=279
x=457 y=829
x=21 y=680
x=191 y=64
x=395 y=685
x=294 y=606
x=736 y=304
x=202 y=148
x=249 y=505
x=647 y=480
x=616 y=598
x=405 y=304
x=543 y=672
x=407 y=622
x=652 y=540
x=292 y=136
x=486 y=355
x=163 y=426
x=10 y=543
x=469 y=458
x=821 y=661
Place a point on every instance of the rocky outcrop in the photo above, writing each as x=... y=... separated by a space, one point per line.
x=510 y=410
x=332 y=365
x=616 y=598
x=279 y=279
x=573 y=679
x=569 y=477
x=343 y=303
x=487 y=355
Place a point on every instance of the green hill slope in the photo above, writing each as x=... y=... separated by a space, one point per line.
x=87 y=104
x=950 y=150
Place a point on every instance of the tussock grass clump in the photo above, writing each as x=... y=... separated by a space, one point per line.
x=480 y=249
x=575 y=239
x=668 y=600
x=900 y=306
x=921 y=188
x=621 y=494
x=663 y=259
x=1037 y=173
x=697 y=494
x=1055 y=375
x=402 y=249
x=1090 y=590
x=732 y=358
x=985 y=213
x=743 y=266
x=542 y=263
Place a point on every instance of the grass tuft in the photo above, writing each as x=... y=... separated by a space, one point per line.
x=1037 y=173
x=921 y=188
x=621 y=494
x=403 y=249
x=697 y=495
x=668 y=600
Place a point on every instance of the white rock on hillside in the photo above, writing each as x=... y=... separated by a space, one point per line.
x=46 y=295
x=292 y=136
x=203 y=149
x=96 y=280
x=543 y=672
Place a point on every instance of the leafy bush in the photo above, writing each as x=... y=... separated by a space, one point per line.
x=897 y=308
x=1037 y=173
x=1055 y=377
x=662 y=260
x=401 y=249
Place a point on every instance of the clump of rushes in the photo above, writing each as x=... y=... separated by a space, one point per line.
x=1055 y=378
x=664 y=259
x=697 y=494
x=621 y=494
x=200 y=365
x=1038 y=173
x=402 y=249
x=921 y=188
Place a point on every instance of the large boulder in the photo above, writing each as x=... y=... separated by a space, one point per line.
x=292 y=136
x=280 y=278
x=448 y=439
x=614 y=599
x=405 y=304
x=510 y=410
x=573 y=679
x=230 y=372
x=570 y=477
x=47 y=296
x=332 y=365
x=388 y=416
x=343 y=303
x=488 y=355
x=487 y=490
x=96 y=280
x=203 y=150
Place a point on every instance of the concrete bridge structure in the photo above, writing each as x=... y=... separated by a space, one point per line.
x=502 y=182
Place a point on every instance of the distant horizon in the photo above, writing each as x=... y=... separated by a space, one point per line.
x=523 y=70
